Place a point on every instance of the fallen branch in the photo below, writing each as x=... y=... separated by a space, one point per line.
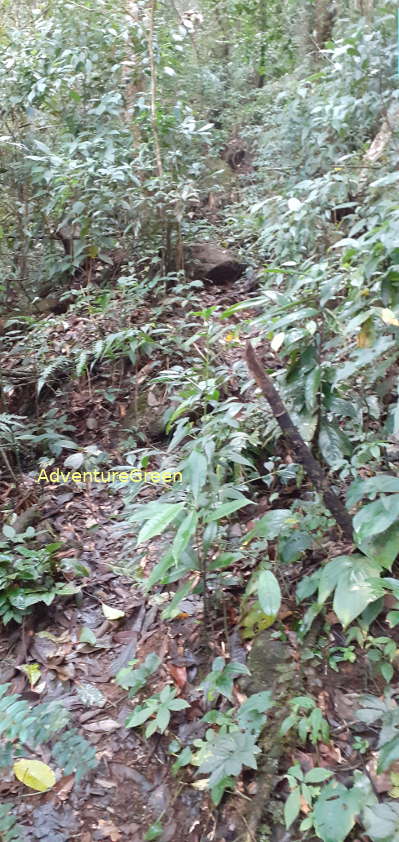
x=302 y=451
x=379 y=145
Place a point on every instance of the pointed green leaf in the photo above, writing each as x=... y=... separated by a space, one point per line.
x=269 y=593
x=167 y=513
x=185 y=531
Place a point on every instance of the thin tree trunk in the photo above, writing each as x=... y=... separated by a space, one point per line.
x=302 y=451
x=154 y=89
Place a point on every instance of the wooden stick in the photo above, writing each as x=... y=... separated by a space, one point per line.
x=302 y=451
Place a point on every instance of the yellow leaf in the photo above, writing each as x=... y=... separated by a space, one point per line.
x=34 y=773
x=229 y=337
x=32 y=671
x=111 y=613
x=201 y=785
x=388 y=317
x=277 y=342
x=366 y=334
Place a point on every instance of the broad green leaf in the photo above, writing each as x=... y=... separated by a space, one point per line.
x=134 y=679
x=388 y=753
x=163 y=718
x=270 y=525
x=379 y=484
x=75 y=460
x=221 y=677
x=195 y=471
x=334 y=446
x=357 y=586
x=138 y=716
x=224 y=560
x=292 y=807
x=167 y=513
x=318 y=776
x=331 y=574
x=8 y=531
x=34 y=774
x=335 y=812
x=376 y=517
x=87 y=636
x=381 y=822
x=178 y=704
x=185 y=531
x=383 y=547
x=269 y=593
x=219 y=789
x=226 y=509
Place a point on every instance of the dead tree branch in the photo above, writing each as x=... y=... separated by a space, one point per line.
x=302 y=451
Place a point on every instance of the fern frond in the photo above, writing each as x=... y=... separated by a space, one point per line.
x=16 y=719
x=49 y=719
x=10 y=830
x=73 y=753
x=49 y=371
x=6 y=755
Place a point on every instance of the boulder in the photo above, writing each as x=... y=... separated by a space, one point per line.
x=210 y=262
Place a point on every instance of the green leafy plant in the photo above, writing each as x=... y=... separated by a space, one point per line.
x=380 y=651
x=134 y=680
x=223 y=756
x=307 y=720
x=305 y=787
x=376 y=522
x=220 y=679
x=24 y=729
x=10 y=829
x=224 y=752
x=159 y=709
x=28 y=575
x=386 y=711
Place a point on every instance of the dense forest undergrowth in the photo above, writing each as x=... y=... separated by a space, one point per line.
x=199 y=426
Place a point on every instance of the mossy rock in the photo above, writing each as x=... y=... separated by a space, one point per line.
x=266 y=661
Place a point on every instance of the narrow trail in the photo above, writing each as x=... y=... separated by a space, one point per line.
x=79 y=652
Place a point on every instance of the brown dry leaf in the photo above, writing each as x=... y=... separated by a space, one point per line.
x=102 y=725
x=64 y=786
x=142 y=374
x=104 y=782
x=330 y=754
x=323 y=701
x=179 y=675
x=109 y=830
x=305 y=807
x=152 y=399
x=65 y=672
